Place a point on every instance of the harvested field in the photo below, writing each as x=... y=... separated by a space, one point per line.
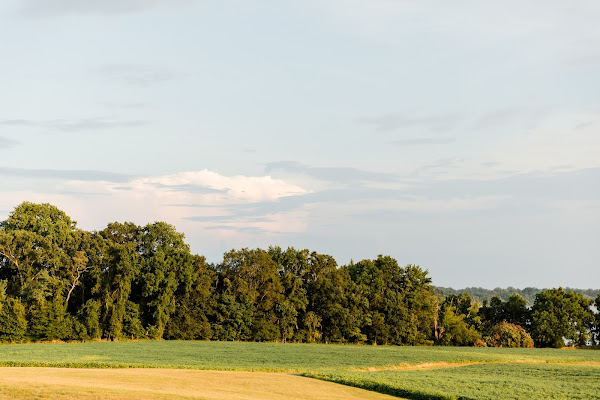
x=121 y=384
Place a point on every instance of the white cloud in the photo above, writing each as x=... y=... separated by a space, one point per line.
x=95 y=203
x=238 y=188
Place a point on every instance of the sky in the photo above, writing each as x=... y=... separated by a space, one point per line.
x=463 y=137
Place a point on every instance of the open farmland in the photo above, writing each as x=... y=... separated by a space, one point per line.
x=479 y=381
x=409 y=372
x=159 y=384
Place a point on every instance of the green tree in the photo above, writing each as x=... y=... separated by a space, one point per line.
x=13 y=322
x=513 y=311
x=48 y=320
x=421 y=302
x=194 y=303
x=455 y=329
x=459 y=321
x=292 y=265
x=90 y=315
x=336 y=300
x=560 y=317
x=118 y=265
x=131 y=322
x=253 y=282
x=164 y=256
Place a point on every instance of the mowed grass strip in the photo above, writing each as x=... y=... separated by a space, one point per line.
x=125 y=384
x=480 y=381
x=288 y=357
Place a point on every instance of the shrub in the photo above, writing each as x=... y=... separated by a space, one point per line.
x=506 y=334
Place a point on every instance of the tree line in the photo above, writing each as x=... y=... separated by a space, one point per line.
x=480 y=294
x=58 y=282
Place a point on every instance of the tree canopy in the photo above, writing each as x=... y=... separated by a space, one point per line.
x=58 y=282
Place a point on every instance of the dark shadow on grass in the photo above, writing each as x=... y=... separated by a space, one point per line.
x=384 y=389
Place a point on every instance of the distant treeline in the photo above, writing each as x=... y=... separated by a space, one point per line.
x=58 y=282
x=529 y=293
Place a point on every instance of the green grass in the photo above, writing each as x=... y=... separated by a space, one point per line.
x=482 y=381
x=264 y=356
x=499 y=374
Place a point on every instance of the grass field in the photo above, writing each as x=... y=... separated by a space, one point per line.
x=409 y=372
x=480 y=381
x=274 y=357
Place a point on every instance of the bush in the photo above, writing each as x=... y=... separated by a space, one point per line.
x=506 y=334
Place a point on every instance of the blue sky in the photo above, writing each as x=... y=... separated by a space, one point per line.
x=463 y=137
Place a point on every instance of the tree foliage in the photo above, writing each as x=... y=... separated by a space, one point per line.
x=505 y=334
x=560 y=317
x=58 y=282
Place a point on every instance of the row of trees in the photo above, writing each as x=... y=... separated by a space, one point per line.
x=557 y=318
x=58 y=282
x=480 y=294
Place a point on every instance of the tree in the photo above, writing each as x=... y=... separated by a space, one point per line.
x=459 y=321
x=333 y=298
x=194 y=303
x=292 y=265
x=399 y=303
x=421 y=301
x=117 y=267
x=164 y=257
x=513 y=311
x=455 y=330
x=253 y=281
x=560 y=318
x=596 y=329
x=13 y=322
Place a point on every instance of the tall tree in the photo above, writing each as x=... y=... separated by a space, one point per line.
x=251 y=278
x=194 y=302
x=164 y=256
x=560 y=318
x=118 y=267
x=291 y=310
x=459 y=321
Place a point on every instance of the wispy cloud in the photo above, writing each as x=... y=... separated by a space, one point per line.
x=561 y=185
x=139 y=75
x=345 y=175
x=79 y=175
x=248 y=229
x=499 y=117
x=74 y=125
x=422 y=141
x=7 y=143
x=52 y=8
x=393 y=122
x=191 y=188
